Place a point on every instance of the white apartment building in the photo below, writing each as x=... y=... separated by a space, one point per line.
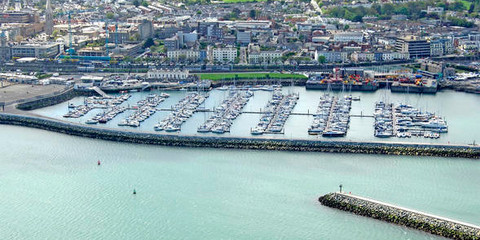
x=166 y=74
x=348 y=37
x=224 y=54
x=264 y=57
x=185 y=54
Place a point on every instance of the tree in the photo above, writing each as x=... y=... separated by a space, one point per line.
x=346 y=27
x=457 y=6
x=148 y=43
x=145 y=3
x=388 y=9
x=472 y=8
x=252 y=13
x=55 y=33
x=136 y=3
x=110 y=15
x=135 y=37
x=322 y=59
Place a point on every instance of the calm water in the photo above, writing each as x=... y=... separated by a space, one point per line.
x=52 y=188
x=461 y=110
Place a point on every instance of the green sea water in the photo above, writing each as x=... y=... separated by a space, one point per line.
x=52 y=188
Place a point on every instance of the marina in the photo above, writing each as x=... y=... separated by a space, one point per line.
x=144 y=109
x=361 y=125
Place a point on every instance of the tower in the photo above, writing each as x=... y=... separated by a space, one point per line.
x=48 y=18
x=5 y=53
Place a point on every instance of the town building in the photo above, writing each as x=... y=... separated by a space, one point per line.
x=145 y=29
x=256 y=56
x=184 y=54
x=171 y=43
x=210 y=30
x=416 y=47
x=36 y=50
x=224 y=55
x=16 y=17
x=437 y=10
x=167 y=74
x=348 y=37
x=244 y=37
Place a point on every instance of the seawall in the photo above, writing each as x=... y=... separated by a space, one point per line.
x=239 y=142
x=51 y=99
x=414 y=219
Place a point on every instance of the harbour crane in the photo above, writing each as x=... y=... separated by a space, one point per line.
x=69 y=13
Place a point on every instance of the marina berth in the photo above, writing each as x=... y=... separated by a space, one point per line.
x=332 y=117
x=404 y=121
x=181 y=111
x=275 y=113
x=223 y=116
x=107 y=115
x=144 y=109
x=94 y=102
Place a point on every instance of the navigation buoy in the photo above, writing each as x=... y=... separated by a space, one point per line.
x=134 y=192
x=98 y=163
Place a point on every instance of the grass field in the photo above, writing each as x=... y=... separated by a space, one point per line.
x=230 y=76
x=466 y=4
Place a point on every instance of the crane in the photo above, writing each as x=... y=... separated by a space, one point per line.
x=69 y=13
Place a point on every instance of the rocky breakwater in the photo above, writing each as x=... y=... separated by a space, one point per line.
x=402 y=216
x=240 y=142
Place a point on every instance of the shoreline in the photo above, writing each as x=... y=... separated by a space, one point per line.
x=303 y=145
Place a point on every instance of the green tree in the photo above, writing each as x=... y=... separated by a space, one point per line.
x=110 y=15
x=136 y=3
x=322 y=59
x=148 y=43
x=253 y=14
x=388 y=9
x=457 y=6
x=472 y=8
x=145 y=3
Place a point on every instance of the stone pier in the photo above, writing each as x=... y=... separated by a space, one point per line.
x=399 y=215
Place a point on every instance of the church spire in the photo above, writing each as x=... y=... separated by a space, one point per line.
x=48 y=18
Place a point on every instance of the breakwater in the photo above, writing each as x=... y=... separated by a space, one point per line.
x=402 y=216
x=239 y=142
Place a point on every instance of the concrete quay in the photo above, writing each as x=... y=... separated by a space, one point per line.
x=403 y=216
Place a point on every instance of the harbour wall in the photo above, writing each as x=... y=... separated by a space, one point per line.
x=402 y=216
x=51 y=99
x=82 y=130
